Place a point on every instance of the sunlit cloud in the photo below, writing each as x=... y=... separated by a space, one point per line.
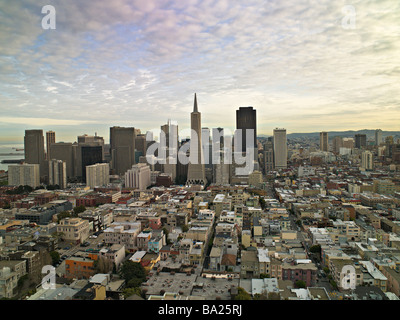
x=139 y=63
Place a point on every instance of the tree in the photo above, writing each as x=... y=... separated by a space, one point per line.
x=133 y=273
x=262 y=203
x=316 y=248
x=300 y=284
x=103 y=265
x=242 y=295
x=264 y=275
x=166 y=232
x=79 y=209
x=55 y=257
x=127 y=292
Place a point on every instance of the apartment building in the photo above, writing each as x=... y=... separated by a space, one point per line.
x=123 y=233
x=75 y=230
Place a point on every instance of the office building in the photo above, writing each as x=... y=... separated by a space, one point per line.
x=246 y=120
x=280 y=148
x=24 y=174
x=196 y=168
x=170 y=131
x=348 y=143
x=122 y=147
x=65 y=152
x=34 y=150
x=97 y=175
x=337 y=143
x=50 y=139
x=323 y=141
x=89 y=150
x=58 y=173
x=378 y=137
x=138 y=177
x=360 y=140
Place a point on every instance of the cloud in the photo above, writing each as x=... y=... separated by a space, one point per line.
x=140 y=62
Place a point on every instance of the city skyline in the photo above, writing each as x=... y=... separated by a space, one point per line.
x=120 y=63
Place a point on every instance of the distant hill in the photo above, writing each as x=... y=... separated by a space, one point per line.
x=346 y=134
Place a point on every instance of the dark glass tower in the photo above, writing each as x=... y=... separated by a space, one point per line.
x=246 y=118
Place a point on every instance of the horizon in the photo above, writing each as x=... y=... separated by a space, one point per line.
x=106 y=138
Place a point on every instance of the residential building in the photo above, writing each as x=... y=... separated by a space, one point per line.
x=24 y=174
x=97 y=175
x=75 y=230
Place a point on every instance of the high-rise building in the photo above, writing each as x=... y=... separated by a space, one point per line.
x=97 y=175
x=361 y=140
x=246 y=120
x=122 y=147
x=348 y=143
x=337 y=143
x=140 y=146
x=323 y=141
x=170 y=131
x=280 y=148
x=222 y=170
x=196 y=168
x=24 y=174
x=138 y=177
x=268 y=156
x=34 y=150
x=65 y=152
x=89 y=150
x=58 y=173
x=367 y=160
x=50 y=139
x=378 y=137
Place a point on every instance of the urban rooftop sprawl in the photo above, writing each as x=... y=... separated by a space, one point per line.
x=313 y=216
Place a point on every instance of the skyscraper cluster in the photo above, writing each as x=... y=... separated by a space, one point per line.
x=213 y=155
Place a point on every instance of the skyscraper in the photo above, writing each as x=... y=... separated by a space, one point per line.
x=268 y=155
x=361 y=140
x=378 y=137
x=58 y=173
x=34 y=150
x=280 y=148
x=50 y=139
x=122 y=147
x=196 y=168
x=64 y=151
x=337 y=143
x=170 y=131
x=323 y=141
x=246 y=119
x=367 y=160
x=88 y=151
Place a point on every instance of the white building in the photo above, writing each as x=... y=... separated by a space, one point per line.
x=123 y=233
x=367 y=160
x=97 y=175
x=138 y=177
x=24 y=174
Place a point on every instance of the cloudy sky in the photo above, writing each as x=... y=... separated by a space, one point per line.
x=304 y=65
